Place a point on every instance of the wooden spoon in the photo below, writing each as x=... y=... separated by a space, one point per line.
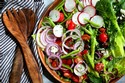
x=12 y=25
x=17 y=67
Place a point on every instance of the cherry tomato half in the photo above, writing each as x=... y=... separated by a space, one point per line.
x=103 y=37
x=61 y=17
x=102 y=30
x=99 y=67
x=70 y=24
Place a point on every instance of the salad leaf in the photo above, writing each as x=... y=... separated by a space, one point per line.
x=94 y=79
x=120 y=66
x=106 y=10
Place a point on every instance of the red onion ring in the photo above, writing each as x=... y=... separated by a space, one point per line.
x=50 y=38
x=38 y=36
x=79 y=45
x=48 y=51
x=71 y=33
x=53 y=57
x=42 y=38
x=63 y=43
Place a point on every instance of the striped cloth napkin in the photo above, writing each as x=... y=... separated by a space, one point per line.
x=8 y=44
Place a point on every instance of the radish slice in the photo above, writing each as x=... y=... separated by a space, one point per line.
x=90 y=10
x=81 y=6
x=54 y=15
x=74 y=18
x=94 y=2
x=70 y=5
x=58 y=30
x=97 y=21
x=87 y=2
x=83 y=16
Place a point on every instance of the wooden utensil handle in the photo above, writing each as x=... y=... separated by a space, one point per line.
x=31 y=63
x=17 y=68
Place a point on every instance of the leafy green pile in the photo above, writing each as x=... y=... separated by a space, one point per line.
x=110 y=11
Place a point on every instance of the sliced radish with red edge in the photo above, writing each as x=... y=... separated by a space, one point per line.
x=81 y=18
x=81 y=6
x=94 y=2
x=54 y=15
x=58 y=30
x=70 y=5
x=97 y=20
x=90 y=10
x=87 y=2
x=74 y=18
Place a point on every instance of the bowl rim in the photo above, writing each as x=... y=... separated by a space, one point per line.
x=40 y=52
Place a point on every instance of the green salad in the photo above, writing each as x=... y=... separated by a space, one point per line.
x=83 y=40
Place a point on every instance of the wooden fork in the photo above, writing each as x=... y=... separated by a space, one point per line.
x=12 y=25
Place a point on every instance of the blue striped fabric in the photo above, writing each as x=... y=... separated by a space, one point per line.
x=8 y=44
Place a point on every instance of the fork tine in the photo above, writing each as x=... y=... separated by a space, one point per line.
x=6 y=20
x=11 y=17
x=21 y=19
x=15 y=15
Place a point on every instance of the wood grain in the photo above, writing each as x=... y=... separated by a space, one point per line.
x=26 y=30
x=12 y=25
x=17 y=69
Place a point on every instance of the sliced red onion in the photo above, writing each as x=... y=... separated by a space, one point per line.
x=55 y=57
x=71 y=33
x=65 y=46
x=63 y=43
x=38 y=36
x=80 y=68
x=81 y=47
x=49 y=49
x=42 y=37
x=76 y=45
x=50 y=37
x=63 y=50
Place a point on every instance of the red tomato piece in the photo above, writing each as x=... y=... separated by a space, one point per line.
x=75 y=78
x=54 y=64
x=99 y=67
x=102 y=30
x=69 y=62
x=64 y=61
x=61 y=17
x=85 y=37
x=67 y=22
x=85 y=76
x=103 y=37
x=70 y=24
x=67 y=74
x=84 y=52
x=58 y=41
